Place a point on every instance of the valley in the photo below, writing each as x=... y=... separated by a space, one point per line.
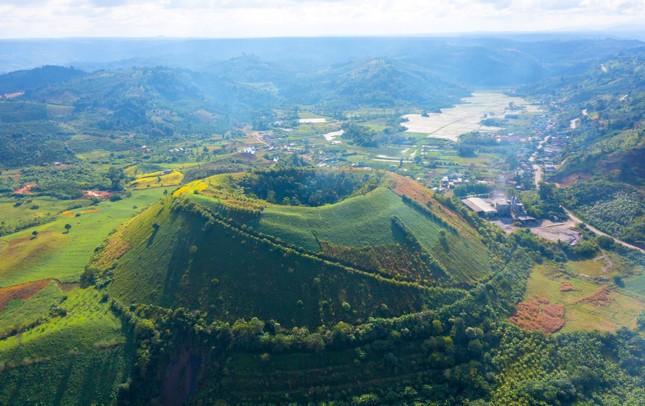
x=283 y=228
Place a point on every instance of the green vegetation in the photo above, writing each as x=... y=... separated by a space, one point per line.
x=75 y=351
x=276 y=272
x=614 y=208
x=370 y=225
x=55 y=253
x=24 y=311
x=305 y=281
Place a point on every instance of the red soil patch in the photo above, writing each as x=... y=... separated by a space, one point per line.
x=572 y=179
x=410 y=188
x=601 y=298
x=566 y=287
x=25 y=190
x=537 y=313
x=97 y=193
x=21 y=292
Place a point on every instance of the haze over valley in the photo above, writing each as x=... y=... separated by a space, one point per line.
x=320 y=216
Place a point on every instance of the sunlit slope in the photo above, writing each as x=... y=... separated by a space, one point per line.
x=233 y=256
x=366 y=221
x=231 y=274
x=55 y=252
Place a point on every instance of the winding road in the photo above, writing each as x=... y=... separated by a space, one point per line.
x=595 y=230
x=538 y=177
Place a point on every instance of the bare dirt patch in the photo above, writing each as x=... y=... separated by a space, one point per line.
x=97 y=193
x=25 y=190
x=572 y=179
x=549 y=230
x=537 y=313
x=21 y=292
x=600 y=298
x=566 y=287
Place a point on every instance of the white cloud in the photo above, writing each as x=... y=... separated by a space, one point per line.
x=257 y=18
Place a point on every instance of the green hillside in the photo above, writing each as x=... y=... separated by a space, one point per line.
x=233 y=256
x=366 y=222
x=602 y=170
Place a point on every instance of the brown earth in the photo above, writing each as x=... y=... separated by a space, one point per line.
x=21 y=292
x=25 y=190
x=97 y=193
x=405 y=186
x=600 y=298
x=566 y=287
x=537 y=313
x=572 y=179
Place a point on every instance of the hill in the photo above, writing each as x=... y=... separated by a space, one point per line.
x=376 y=82
x=232 y=255
x=24 y=80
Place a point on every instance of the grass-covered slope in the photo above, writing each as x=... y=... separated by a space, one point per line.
x=366 y=221
x=54 y=251
x=218 y=249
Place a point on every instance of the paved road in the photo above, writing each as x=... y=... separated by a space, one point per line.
x=595 y=230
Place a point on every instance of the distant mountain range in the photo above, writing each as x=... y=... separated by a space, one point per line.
x=480 y=61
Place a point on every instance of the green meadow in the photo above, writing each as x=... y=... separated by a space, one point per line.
x=56 y=252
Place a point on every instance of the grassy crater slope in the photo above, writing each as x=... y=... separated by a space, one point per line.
x=215 y=247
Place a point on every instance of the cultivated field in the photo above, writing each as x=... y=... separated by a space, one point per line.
x=62 y=254
x=157 y=179
x=588 y=305
x=366 y=220
x=462 y=118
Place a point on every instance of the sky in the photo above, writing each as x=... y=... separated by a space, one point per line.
x=278 y=18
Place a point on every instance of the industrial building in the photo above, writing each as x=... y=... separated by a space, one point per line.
x=480 y=207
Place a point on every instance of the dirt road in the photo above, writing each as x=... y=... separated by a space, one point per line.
x=595 y=230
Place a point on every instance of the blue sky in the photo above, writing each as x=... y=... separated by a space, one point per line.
x=256 y=18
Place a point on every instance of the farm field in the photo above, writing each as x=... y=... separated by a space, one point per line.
x=88 y=323
x=62 y=254
x=76 y=349
x=17 y=214
x=636 y=284
x=157 y=179
x=463 y=117
x=588 y=305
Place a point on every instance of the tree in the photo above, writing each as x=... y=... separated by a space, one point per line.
x=359 y=135
x=466 y=151
x=67 y=227
x=115 y=175
x=547 y=192
x=35 y=233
